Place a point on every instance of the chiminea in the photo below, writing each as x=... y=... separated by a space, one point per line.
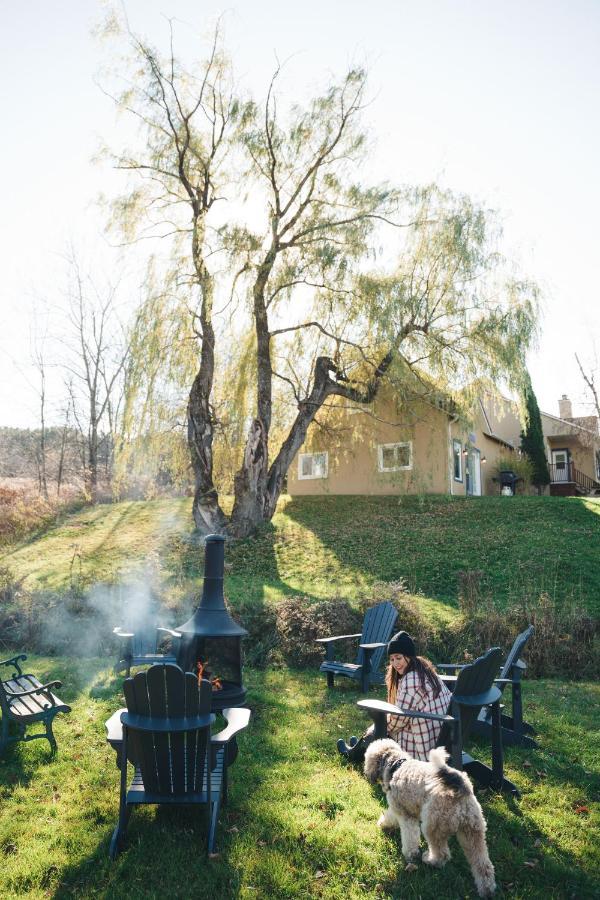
x=211 y=642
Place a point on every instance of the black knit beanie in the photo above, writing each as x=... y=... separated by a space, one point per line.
x=402 y=643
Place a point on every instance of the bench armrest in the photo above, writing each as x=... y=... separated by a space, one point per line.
x=338 y=637
x=14 y=661
x=237 y=719
x=15 y=695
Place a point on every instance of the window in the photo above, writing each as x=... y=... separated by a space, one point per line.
x=312 y=465
x=457 y=460
x=392 y=457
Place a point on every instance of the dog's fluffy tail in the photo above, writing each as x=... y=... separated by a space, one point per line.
x=438 y=758
x=451 y=779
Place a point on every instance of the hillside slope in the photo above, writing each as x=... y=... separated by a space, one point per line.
x=338 y=546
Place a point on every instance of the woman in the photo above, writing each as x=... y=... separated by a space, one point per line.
x=412 y=684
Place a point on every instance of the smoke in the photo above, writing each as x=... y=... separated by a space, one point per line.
x=81 y=623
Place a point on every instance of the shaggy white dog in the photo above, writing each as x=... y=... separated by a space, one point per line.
x=441 y=798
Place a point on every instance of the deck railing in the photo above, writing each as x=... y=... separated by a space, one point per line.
x=566 y=472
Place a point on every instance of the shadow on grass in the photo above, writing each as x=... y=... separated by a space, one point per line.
x=427 y=540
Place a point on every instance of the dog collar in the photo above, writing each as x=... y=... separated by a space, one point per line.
x=395 y=766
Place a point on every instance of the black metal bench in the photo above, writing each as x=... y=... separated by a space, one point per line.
x=24 y=700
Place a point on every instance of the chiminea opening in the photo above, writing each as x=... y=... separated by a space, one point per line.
x=211 y=642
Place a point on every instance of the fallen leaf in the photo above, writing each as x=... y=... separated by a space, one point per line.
x=531 y=863
x=214 y=855
x=582 y=810
x=537 y=843
x=319 y=874
x=526 y=765
x=233 y=830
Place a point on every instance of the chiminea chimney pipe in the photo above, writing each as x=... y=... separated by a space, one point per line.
x=211 y=618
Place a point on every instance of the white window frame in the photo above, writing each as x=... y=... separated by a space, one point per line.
x=303 y=456
x=382 y=447
x=456 y=442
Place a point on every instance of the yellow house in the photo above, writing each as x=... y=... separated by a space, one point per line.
x=394 y=448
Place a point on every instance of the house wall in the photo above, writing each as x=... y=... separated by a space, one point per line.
x=353 y=455
x=353 y=438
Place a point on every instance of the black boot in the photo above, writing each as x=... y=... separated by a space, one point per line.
x=354 y=752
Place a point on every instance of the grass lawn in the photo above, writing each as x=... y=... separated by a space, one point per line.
x=300 y=822
x=340 y=546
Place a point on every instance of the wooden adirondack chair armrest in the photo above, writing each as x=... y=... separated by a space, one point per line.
x=453 y=666
x=503 y=681
x=237 y=718
x=123 y=634
x=173 y=725
x=490 y=696
x=338 y=637
x=171 y=631
x=14 y=695
x=381 y=706
x=371 y=647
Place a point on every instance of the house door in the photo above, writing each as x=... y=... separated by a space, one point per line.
x=474 y=473
x=560 y=465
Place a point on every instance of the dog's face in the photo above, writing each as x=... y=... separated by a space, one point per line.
x=380 y=754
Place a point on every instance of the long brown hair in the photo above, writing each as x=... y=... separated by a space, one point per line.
x=425 y=671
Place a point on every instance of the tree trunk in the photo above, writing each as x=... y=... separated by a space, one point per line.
x=251 y=480
x=208 y=515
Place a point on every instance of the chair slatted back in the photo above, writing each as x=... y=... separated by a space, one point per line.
x=378 y=625
x=144 y=638
x=475 y=679
x=515 y=651
x=171 y=763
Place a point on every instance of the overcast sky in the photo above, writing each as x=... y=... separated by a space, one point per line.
x=496 y=99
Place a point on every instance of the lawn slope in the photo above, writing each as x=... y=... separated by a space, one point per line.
x=338 y=546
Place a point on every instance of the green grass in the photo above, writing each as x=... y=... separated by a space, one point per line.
x=339 y=546
x=300 y=823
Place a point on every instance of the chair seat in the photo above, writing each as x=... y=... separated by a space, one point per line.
x=339 y=667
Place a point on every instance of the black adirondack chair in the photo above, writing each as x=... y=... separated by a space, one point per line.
x=140 y=645
x=24 y=701
x=166 y=734
x=378 y=625
x=514 y=729
x=473 y=690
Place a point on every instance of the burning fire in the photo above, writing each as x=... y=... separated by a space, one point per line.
x=203 y=672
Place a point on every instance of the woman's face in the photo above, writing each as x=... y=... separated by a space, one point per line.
x=399 y=662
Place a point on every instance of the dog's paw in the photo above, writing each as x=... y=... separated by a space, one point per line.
x=437 y=861
x=412 y=856
x=386 y=823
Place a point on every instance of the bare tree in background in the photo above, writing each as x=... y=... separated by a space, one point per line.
x=98 y=350
x=589 y=377
x=40 y=364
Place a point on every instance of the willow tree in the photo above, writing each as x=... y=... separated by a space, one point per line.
x=188 y=121
x=317 y=317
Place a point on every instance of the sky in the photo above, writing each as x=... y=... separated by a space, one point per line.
x=495 y=99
